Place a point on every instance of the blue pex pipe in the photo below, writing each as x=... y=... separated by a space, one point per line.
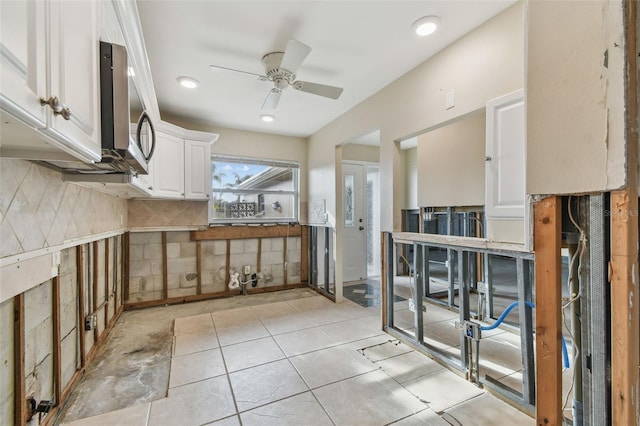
x=565 y=353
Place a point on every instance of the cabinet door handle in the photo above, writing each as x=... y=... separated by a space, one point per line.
x=53 y=102
x=57 y=107
x=65 y=112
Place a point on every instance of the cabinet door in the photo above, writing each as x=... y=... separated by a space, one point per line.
x=22 y=60
x=197 y=173
x=74 y=74
x=168 y=167
x=505 y=150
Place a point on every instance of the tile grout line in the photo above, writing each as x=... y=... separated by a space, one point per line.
x=233 y=395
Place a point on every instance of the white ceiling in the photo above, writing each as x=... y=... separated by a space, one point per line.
x=359 y=45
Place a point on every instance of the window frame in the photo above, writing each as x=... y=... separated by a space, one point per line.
x=294 y=166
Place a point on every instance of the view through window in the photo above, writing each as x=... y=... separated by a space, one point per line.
x=253 y=190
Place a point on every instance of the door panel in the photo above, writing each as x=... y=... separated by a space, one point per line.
x=354 y=234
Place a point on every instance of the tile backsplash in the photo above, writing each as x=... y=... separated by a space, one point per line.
x=167 y=213
x=38 y=209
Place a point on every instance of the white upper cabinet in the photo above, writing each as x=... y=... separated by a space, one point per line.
x=49 y=54
x=180 y=167
x=23 y=61
x=168 y=166
x=505 y=161
x=197 y=170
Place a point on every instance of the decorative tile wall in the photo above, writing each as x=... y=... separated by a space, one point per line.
x=38 y=209
x=161 y=213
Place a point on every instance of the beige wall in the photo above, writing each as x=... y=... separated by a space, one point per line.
x=451 y=164
x=575 y=129
x=356 y=152
x=486 y=63
x=410 y=166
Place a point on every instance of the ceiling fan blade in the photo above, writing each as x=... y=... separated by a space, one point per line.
x=262 y=77
x=271 y=102
x=318 y=89
x=295 y=53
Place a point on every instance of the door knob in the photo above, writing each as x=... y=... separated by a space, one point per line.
x=361 y=228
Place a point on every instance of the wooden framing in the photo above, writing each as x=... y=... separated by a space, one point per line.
x=81 y=297
x=94 y=293
x=57 y=343
x=285 y=265
x=165 y=274
x=125 y=267
x=107 y=284
x=20 y=393
x=625 y=356
x=259 y=255
x=246 y=232
x=199 y=267
x=547 y=244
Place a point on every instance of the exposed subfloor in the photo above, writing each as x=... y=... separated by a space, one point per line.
x=291 y=357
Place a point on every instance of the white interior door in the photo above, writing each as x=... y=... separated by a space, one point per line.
x=506 y=167
x=355 y=216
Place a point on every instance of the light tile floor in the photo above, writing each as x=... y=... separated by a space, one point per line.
x=306 y=361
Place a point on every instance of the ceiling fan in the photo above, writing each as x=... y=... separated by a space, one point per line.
x=281 y=67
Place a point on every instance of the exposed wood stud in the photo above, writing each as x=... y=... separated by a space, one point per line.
x=548 y=266
x=125 y=267
x=259 y=256
x=165 y=278
x=285 y=265
x=199 y=267
x=94 y=293
x=625 y=356
x=81 y=301
x=57 y=343
x=107 y=285
x=20 y=409
x=227 y=264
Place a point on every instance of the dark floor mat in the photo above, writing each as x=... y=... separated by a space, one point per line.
x=365 y=295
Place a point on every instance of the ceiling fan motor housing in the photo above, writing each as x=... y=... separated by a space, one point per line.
x=280 y=77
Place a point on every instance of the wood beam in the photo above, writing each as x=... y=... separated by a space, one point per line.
x=20 y=392
x=285 y=265
x=165 y=274
x=94 y=293
x=548 y=266
x=81 y=297
x=245 y=232
x=125 y=267
x=57 y=343
x=107 y=286
x=625 y=356
x=199 y=267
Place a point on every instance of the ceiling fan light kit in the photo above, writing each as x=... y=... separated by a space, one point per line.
x=426 y=25
x=281 y=68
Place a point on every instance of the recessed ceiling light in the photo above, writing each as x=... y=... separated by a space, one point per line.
x=268 y=118
x=188 y=82
x=426 y=25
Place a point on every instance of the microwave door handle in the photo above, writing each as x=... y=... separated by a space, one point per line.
x=152 y=135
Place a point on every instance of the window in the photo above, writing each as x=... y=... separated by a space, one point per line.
x=247 y=190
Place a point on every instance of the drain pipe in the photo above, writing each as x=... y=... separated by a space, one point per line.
x=576 y=327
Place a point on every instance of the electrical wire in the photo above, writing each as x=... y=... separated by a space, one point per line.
x=577 y=256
